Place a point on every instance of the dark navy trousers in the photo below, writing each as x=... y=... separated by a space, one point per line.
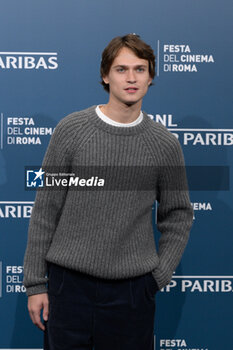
x=91 y=313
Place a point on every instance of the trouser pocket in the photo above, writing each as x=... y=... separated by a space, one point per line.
x=56 y=275
x=151 y=285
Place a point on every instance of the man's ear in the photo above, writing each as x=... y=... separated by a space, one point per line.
x=105 y=79
x=150 y=81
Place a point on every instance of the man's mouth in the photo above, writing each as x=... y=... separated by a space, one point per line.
x=131 y=89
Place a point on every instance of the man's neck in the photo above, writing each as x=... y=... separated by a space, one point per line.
x=121 y=113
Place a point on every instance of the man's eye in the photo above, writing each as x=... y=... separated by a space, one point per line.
x=120 y=69
x=141 y=69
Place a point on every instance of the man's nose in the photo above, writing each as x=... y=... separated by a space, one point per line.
x=131 y=77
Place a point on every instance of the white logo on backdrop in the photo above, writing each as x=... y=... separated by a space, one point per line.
x=15 y=209
x=28 y=60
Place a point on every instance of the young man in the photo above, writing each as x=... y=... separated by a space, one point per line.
x=96 y=248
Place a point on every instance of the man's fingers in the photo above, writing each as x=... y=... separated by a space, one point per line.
x=36 y=303
x=46 y=311
x=35 y=317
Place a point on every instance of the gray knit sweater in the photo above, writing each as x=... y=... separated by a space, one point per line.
x=109 y=233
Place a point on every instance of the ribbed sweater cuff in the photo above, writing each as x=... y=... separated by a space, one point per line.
x=162 y=278
x=38 y=289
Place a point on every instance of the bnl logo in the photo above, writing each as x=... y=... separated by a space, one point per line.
x=35 y=178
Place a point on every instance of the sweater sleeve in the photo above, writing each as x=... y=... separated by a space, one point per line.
x=174 y=213
x=45 y=214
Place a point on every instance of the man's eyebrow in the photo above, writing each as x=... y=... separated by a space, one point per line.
x=124 y=66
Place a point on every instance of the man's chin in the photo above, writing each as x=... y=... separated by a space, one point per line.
x=130 y=103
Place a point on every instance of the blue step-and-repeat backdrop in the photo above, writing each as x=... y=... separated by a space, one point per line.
x=50 y=54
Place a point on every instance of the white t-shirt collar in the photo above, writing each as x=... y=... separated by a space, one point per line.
x=113 y=122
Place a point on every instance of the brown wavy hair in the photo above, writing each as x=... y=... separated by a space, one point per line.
x=134 y=43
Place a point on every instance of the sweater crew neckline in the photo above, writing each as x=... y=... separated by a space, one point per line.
x=138 y=128
x=110 y=121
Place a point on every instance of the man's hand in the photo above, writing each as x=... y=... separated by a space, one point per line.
x=35 y=304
